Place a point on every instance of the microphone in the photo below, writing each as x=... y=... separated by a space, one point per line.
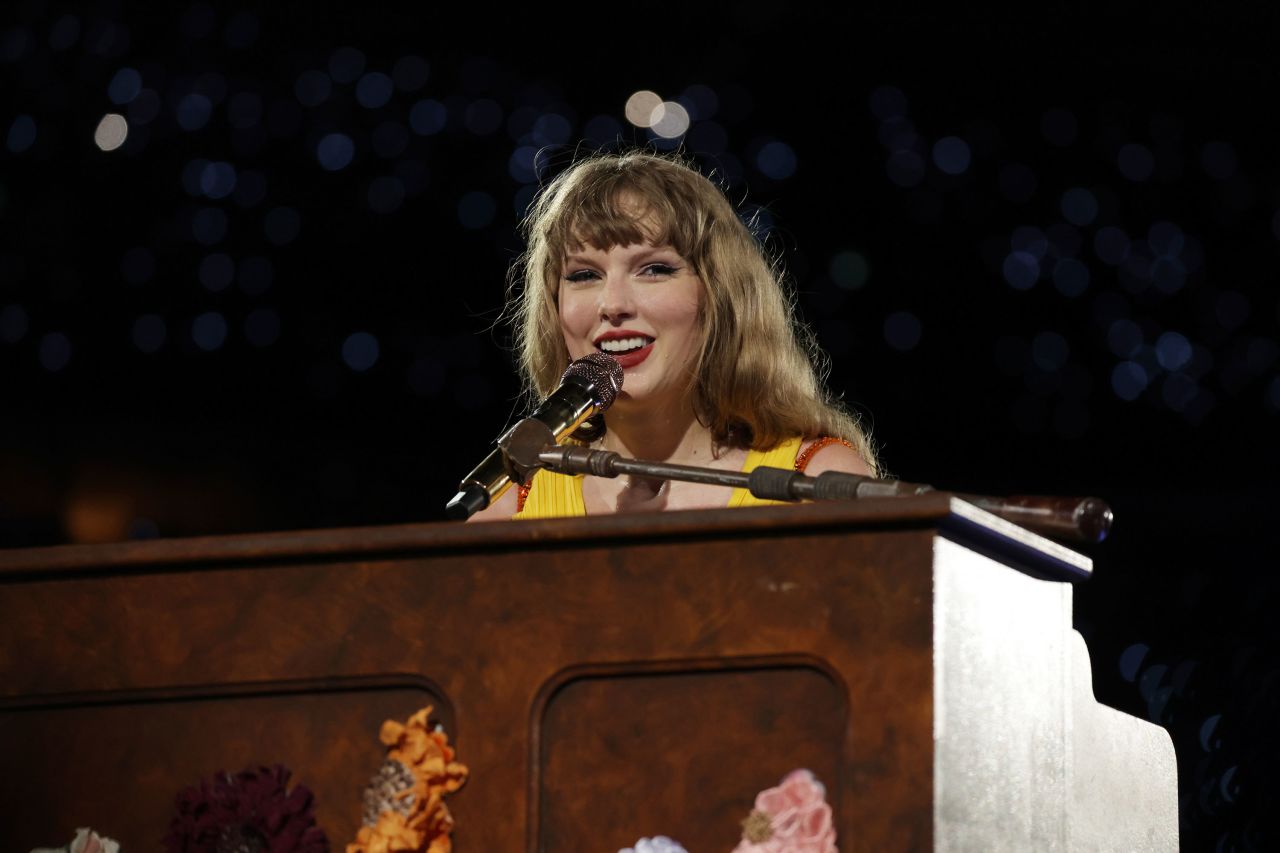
x=588 y=387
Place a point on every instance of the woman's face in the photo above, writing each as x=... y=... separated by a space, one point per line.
x=639 y=303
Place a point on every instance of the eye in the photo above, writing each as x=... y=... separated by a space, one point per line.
x=580 y=276
x=659 y=269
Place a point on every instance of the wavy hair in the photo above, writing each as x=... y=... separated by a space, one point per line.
x=758 y=378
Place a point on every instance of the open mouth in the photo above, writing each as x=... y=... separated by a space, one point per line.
x=623 y=346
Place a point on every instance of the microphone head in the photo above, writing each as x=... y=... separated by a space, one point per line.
x=602 y=372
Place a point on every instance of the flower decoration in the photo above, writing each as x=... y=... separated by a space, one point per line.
x=404 y=810
x=794 y=817
x=250 y=812
x=86 y=841
x=657 y=844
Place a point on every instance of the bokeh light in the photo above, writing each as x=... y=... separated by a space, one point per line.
x=124 y=86
x=13 y=324
x=849 y=270
x=776 y=160
x=670 y=120
x=951 y=155
x=640 y=107
x=374 y=90
x=209 y=331
x=111 y=132
x=55 y=351
x=22 y=134
x=360 y=351
x=335 y=152
x=346 y=64
x=902 y=330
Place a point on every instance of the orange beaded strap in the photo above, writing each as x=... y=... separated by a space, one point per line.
x=802 y=461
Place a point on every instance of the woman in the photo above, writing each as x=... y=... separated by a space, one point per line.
x=642 y=257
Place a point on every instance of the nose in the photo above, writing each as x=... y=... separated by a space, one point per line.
x=616 y=299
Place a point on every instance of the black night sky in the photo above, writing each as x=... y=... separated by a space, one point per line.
x=1042 y=251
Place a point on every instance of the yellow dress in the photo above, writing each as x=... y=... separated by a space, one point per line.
x=554 y=495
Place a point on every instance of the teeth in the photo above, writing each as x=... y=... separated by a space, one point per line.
x=624 y=344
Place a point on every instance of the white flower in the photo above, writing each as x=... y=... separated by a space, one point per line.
x=86 y=841
x=657 y=844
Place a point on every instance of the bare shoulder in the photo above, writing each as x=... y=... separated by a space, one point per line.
x=503 y=509
x=836 y=457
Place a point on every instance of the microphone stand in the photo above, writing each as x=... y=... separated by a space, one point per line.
x=531 y=445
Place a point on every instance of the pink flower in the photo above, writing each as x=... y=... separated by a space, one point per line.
x=791 y=818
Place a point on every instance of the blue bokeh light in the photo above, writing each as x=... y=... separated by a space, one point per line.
x=1070 y=277
x=1124 y=337
x=902 y=330
x=54 y=351
x=1111 y=245
x=603 y=130
x=1079 y=206
x=551 y=129
x=1136 y=162
x=888 y=102
x=1128 y=380
x=1021 y=270
x=346 y=64
x=428 y=117
x=1049 y=351
x=1173 y=351
x=218 y=180
x=13 y=324
x=124 y=86
x=951 y=155
x=776 y=160
x=193 y=111
x=374 y=90
x=22 y=134
x=335 y=152
x=360 y=351
x=209 y=331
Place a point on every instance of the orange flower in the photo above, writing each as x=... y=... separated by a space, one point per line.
x=425 y=751
x=414 y=818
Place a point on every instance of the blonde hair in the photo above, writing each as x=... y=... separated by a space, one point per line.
x=758 y=376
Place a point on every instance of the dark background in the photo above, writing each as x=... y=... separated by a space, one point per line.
x=1041 y=250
